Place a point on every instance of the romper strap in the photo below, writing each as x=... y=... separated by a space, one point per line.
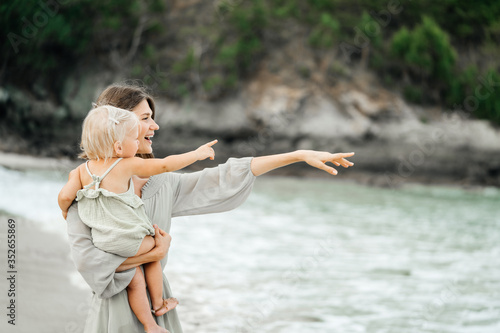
x=96 y=180
x=87 y=167
x=111 y=167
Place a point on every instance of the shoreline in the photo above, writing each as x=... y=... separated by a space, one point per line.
x=30 y=162
x=376 y=179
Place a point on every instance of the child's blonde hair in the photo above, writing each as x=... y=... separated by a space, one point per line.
x=102 y=127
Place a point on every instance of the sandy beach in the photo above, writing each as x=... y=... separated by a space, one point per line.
x=46 y=300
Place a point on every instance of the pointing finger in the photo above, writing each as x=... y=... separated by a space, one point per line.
x=211 y=143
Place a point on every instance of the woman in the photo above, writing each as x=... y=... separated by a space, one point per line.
x=165 y=196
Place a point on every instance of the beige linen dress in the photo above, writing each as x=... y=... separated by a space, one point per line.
x=211 y=190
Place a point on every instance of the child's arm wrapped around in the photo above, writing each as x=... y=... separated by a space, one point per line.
x=68 y=193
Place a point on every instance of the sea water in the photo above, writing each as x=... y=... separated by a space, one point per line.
x=309 y=255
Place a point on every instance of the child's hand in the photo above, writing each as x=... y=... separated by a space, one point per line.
x=206 y=151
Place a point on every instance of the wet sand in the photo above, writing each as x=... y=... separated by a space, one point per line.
x=46 y=300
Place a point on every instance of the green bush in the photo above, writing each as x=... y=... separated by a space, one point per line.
x=186 y=64
x=488 y=106
x=413 y=94
x=238 y=44
x=325 y=33
x=372 y=29
x=472 y=92
x=244 y=31
x=46 y=39
x=248 y=24
x=462 y=86
x=212 y=83
x=426 y=51
x=41 y=40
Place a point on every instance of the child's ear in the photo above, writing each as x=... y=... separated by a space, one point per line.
x=117 y=146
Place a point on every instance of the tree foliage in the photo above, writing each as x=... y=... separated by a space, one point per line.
x=45 y=39
x=422 y=44
x=426 y=51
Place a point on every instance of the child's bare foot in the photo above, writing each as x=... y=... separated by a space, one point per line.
x=168 y=304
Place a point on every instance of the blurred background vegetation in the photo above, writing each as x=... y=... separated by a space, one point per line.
x=432 y=52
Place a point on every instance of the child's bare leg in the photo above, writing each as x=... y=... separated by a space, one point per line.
x=139 y=304
x=154 y=279
x=148 y=243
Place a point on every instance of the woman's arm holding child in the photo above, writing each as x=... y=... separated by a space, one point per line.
x=162 y=244
x=68 y=192
x=150 y=167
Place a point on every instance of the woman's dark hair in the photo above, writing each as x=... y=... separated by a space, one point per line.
x=126 y=96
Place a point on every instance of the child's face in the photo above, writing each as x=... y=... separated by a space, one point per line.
x=131 y=143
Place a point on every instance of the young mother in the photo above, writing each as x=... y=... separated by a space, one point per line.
x=211 y=190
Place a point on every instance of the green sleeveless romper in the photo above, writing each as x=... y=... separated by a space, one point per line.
x=118 y=222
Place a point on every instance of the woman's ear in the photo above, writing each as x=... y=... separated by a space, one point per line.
x=117 y=146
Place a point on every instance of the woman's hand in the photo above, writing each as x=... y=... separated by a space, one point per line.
x=318 y=159
x=206 y=151
x=162 y=243
x=262 y=164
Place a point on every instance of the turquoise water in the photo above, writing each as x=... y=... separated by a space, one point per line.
x=330 y=256
x=308 y=255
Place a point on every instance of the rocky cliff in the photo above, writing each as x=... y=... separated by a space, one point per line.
x=392 y=139
x=395 y=142
x=260 y=89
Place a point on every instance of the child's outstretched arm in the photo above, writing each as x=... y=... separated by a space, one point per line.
x=68 y=192
x=153 y=166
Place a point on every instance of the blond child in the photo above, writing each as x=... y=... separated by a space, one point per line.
x=109 y=206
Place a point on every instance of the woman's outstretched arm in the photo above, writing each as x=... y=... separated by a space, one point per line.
x=225 y=187
x=261 y=165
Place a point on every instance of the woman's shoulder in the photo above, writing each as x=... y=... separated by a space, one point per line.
x=164 y=181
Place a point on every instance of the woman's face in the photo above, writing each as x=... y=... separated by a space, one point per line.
x=147 y=127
